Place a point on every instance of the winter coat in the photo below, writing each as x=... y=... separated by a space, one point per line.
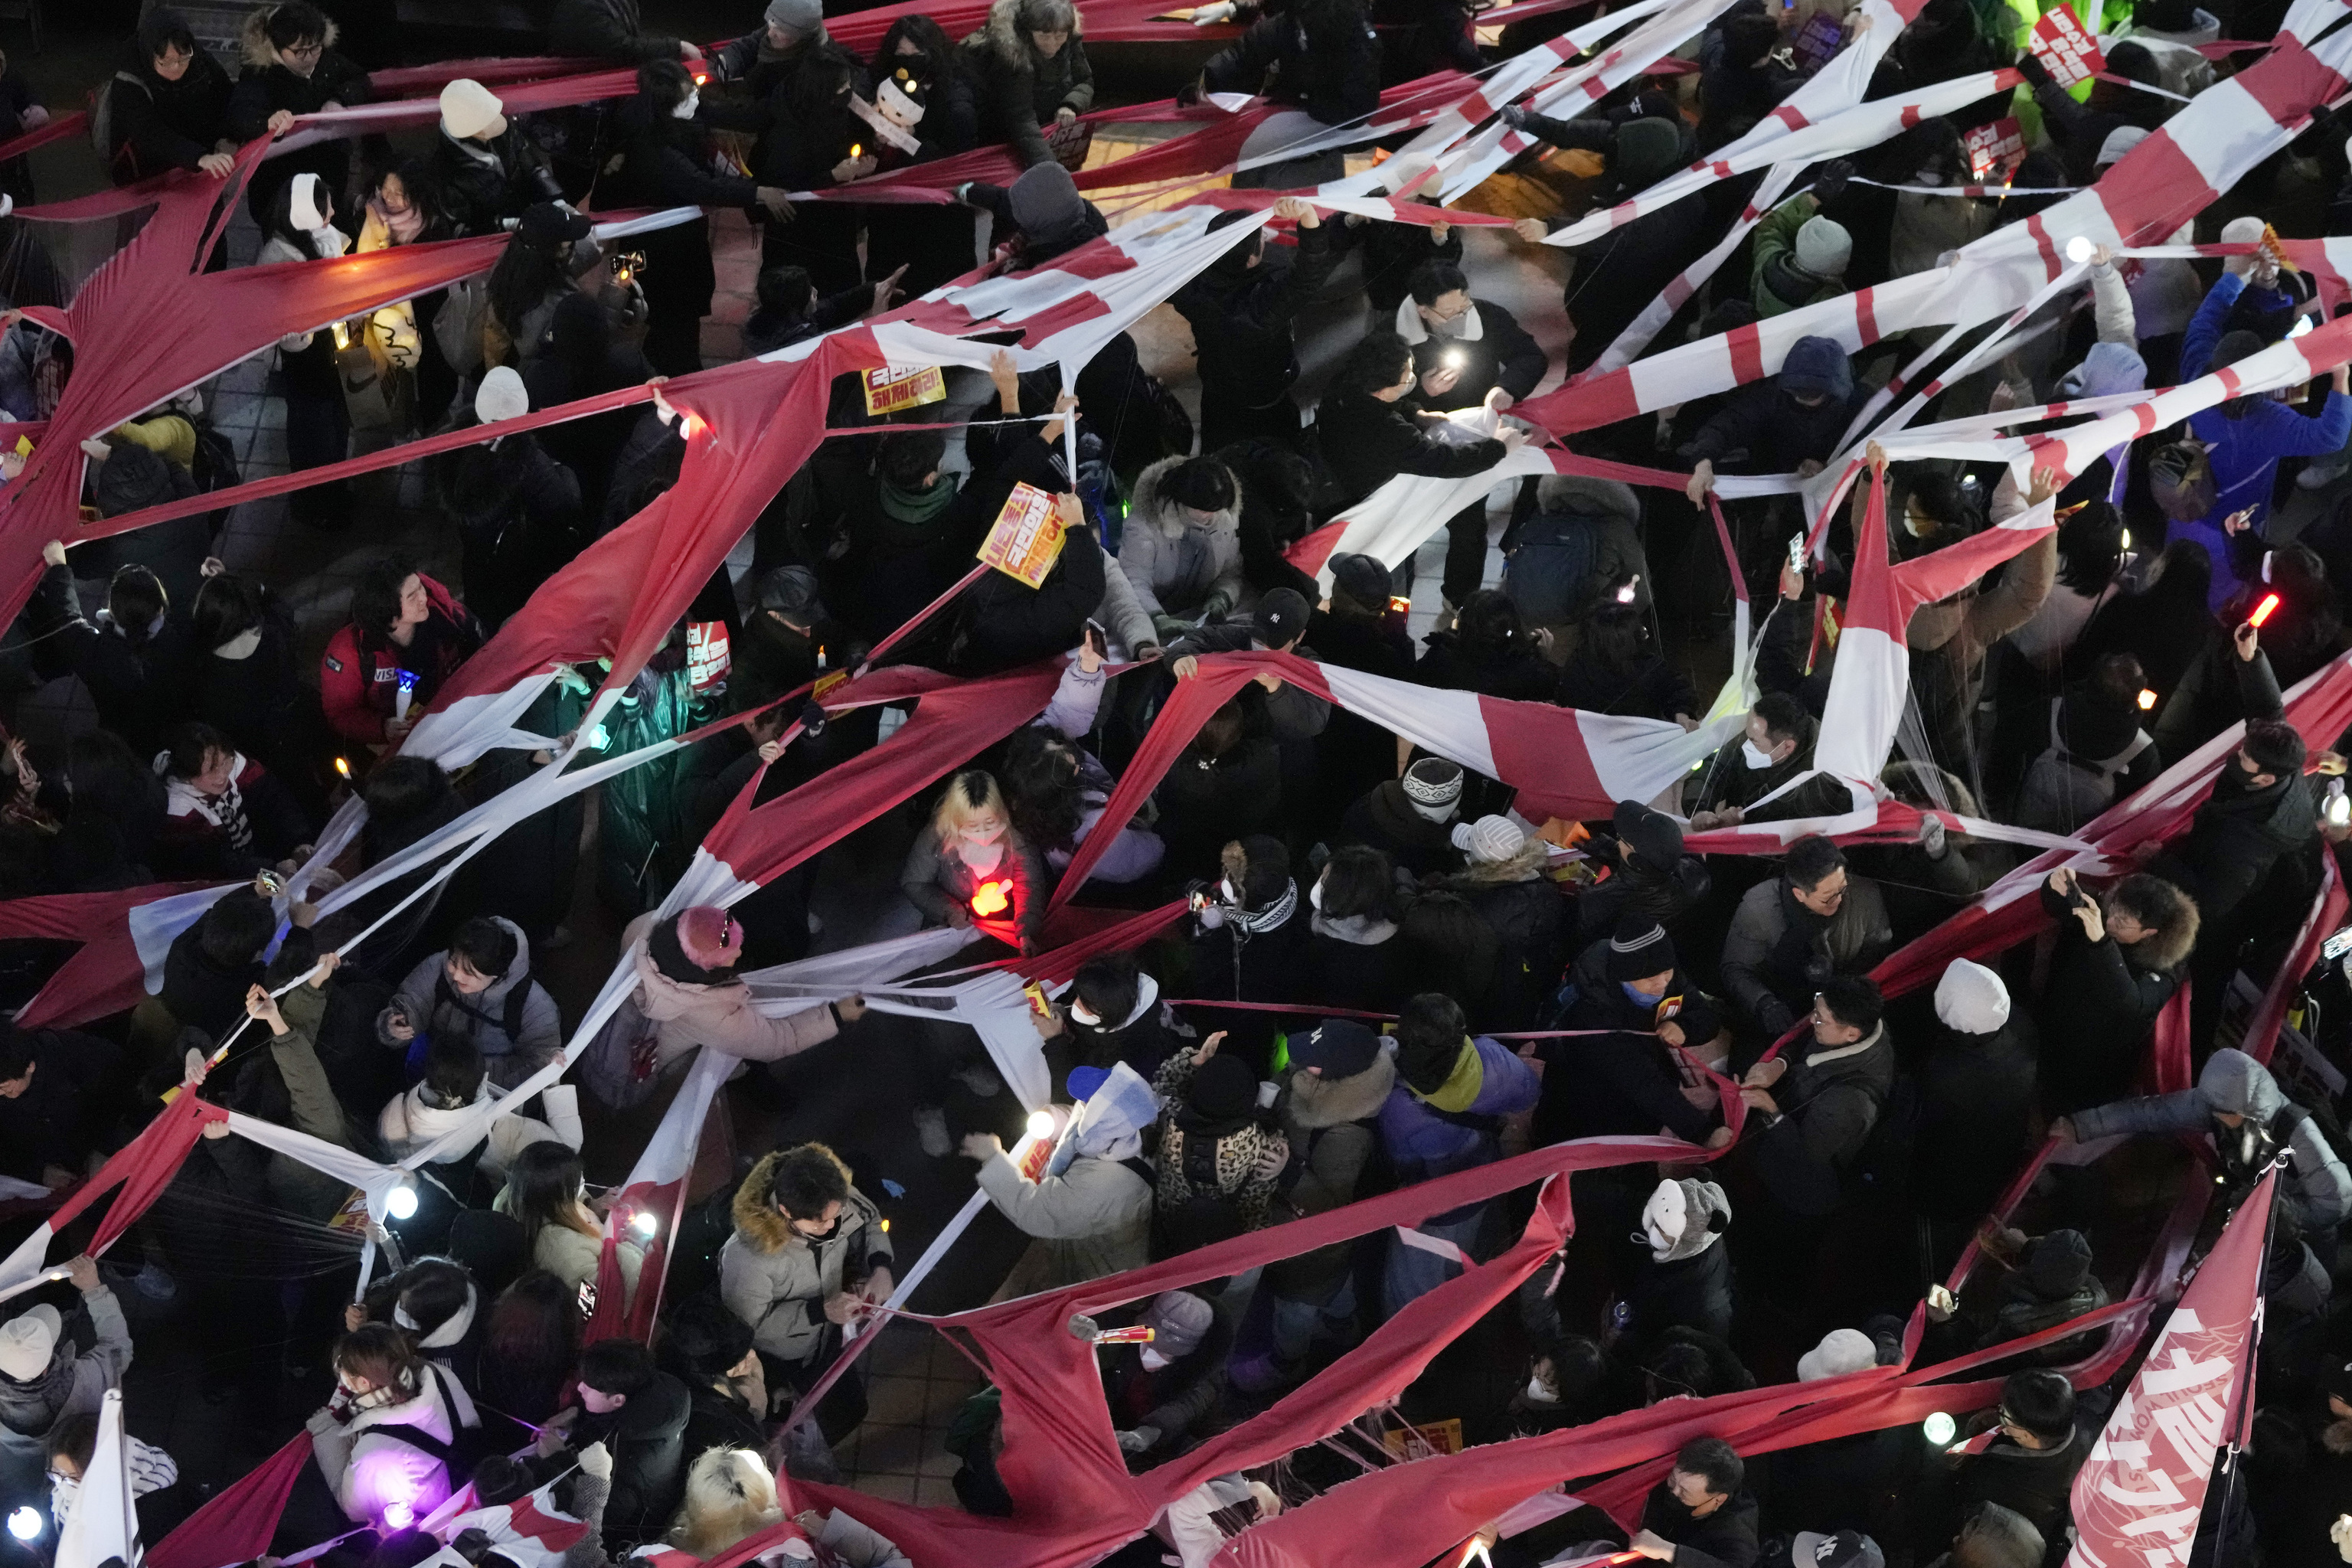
x=437 y=1009
x=409 y=1124
x=1760 y=430
x=607 y=30
x=1207 y=802
x=140 y=689
x=719 y=1420
x=1771 y=973
x=1367 y=442
x=267 y=85
x=2315 y=1183
x=484 y=182
x=73 y=1386
x=1948 y=640
x=1094 y=1217
x=1276 y=58
x=1384 y=818
x=1557 y=564
x=779 y=1280
x=1518 y=673
x=250 y=823
x=719 y=1015
x=1290 y=714
x=645 y=1437
x=1431 y=1135
x=2217 y=690
x=52 y=1122
x=1779 y=284
x=1249 y=1161
x=1830 y=1100
x=1692 y=1293
x=2034 y=1482
x=1494 y=350
x=2098 y=1008
x=1528 y=915
x=1359 y=962
x=1332 y=1125
x=1020 y=90
x=369 y=1469
x=1625 y=1083
x=2237 y=837
x=1177 y=566
x=1173 y=1400
x=1724 y=1539
x=1229 y=961
x=153 y=125
x=360 y=686
x=1012 y=624
x=1244 y=318
x=1727 y=779
x=1976 y=1110
x=937 y=881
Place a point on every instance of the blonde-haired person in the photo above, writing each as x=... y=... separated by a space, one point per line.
x=385 y=1389
x=969 y=863
x=731 y=1497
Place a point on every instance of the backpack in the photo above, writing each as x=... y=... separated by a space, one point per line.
x=458 y=327
x=2180 y=477
x=618 y=1066
x=510 y=1017
x=101 y=122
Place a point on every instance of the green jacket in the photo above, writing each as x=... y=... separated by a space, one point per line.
x=1779 y=284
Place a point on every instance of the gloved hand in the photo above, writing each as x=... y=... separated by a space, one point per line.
x=1774 y=1014
x=813 y=717
x=1830 y=183
x=1514 y=116
x=597 y=1461
x=1931 y=836
x=1169 y=628
x=1218 y=604
x=1141 y=1439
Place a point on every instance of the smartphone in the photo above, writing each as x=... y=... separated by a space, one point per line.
x=1797 y=551
x=587 y=1298
x=2336 y=946
x=1098 y=639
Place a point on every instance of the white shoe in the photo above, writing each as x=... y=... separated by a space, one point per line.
x=2319 y=475
x=931 y=1129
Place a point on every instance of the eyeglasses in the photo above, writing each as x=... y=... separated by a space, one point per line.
x=303 y=51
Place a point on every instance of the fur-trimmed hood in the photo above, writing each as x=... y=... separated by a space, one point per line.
x=1006 y=41
x=757 y=1221
x=1334 y=1101
x=1524 y=866
x=1149 y=505
x=2167 y=946
x=253 y=38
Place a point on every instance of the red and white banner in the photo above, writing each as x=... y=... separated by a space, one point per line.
x=2137 y=1496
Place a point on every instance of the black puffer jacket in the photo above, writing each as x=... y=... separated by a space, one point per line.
x=1020 y=90
x=2239 y=837
x=2098 y=1007
x=1242 y=316
x=608 y=30
x=1367 y=442
x=484 y=182
x=646 y=1438
x=1335 y=82
x=267 y=86
x=153 y=125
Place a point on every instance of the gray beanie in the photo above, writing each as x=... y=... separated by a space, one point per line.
x=1045 y=200
x=1179 y=1321
x=800 y=17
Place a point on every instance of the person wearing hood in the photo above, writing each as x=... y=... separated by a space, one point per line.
x=2261 y=813
x=1242 y=308
x=1615 y=277
x=1817 y=1111
x=292 y=67
x=1506 y=882
x=1161 y=1394
x=1218 y=1158
x=1651 y=876
x=638 y=1413
x=2245 y=436
x=1576 y=553
x=1410 y=819
x=1702 y=1515
x=133 y=657
x=1249 y=938
x=1370 y=426
x=2118 y=959
x=687 y=988
x=479 y=990
x=436 y=1299
x=130 y=478
x=2240 y=1105
x=1684 y=1280
x=1791 y=935
x=709 y=1350
x=1467 y=353
x=2098 y=753
x=2049 y=1282
x=44 y=1380
x=487 y=171
x=1110 y=1014
x=1975 y=1097
x=1330 y=1109
x=1792 y=423
x=1029 y=67
x=2029 y=1467
x=1036 y=218
x=1444 y=1115
x=809 y=1256
x=1627 y=1081
x=1743 y=75
x=1182 y=549
x=914 y=528
x=1801 y=256
x=167 y=107
x=1088 y=1213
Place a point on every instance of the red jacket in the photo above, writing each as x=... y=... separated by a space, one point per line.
x=358 y=687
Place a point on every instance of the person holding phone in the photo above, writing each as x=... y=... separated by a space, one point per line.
x=2118 y=959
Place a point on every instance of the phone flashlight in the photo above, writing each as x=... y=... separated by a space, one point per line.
x=2126 y=541
x=2263 y=611
x=2339 y=804
x=2147 y=699
x=1400 y=605
x=1625 y=593
x=1454 y=358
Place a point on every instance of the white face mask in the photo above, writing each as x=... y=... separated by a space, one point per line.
x=1232 y=894
x=1153 y=1360
x=1082 y=1014
x=1538 y=1394
x=1315 y=895
x=1753 y=757
x=687 y=106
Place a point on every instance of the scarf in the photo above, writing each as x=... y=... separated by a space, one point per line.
x=1271 y=916
x=1358 y=930
x=918 y=506
x=1460 y=1090
x=405 y=226
x=1804 y=936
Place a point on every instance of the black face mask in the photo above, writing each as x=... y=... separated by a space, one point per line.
x=827 y=1234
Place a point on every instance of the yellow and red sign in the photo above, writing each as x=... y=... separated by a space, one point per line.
x=894 y=390
x=1026 y=539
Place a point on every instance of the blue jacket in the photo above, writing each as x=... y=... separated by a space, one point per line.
x=1425 y=1141
x=2245 y=451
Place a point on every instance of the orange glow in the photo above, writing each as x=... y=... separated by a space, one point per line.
x=692 y=425
x=343 y=767
x=2147 y=699
x=2263 y=611
x=701 y=79
x=992 y=899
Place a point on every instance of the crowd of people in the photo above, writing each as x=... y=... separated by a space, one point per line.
x=1385 y=972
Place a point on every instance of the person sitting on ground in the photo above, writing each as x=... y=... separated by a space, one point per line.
x=1162 y=1394
x=481 y=989
x=1089 y=1211
x=2251 y=1121
x=2118 y=960
x=1793 y=933
x=1817 y=1113
x=1701 y=1515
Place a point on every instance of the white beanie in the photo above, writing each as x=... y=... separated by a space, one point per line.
x=502 y=396
x=304 y=208
x=1971 y=999
x=2120 y=140
x=469 y=109
x=1823 y=247
x=2241 y=231
x=1842 y=1351
x=1490 y=838
x=26 y=1341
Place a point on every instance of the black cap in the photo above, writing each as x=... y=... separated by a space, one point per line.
x=1281 y=619
x=1653 y=835
x=544 y=223
x=1846 y=1549
x=791 y=592
x=1363 y=579
x=1342 y=1047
